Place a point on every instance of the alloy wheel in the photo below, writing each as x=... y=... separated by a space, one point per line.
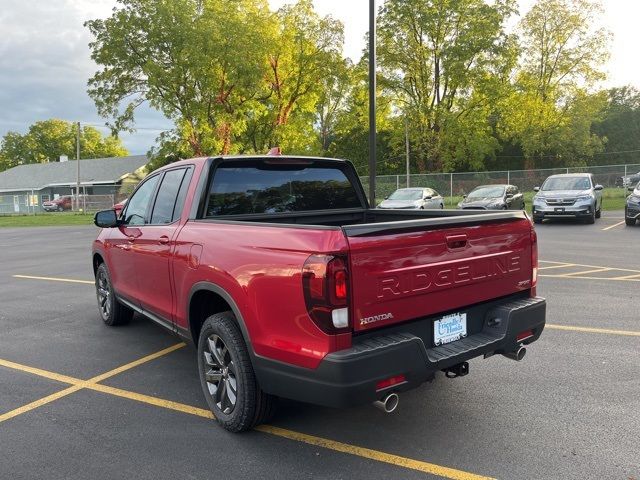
x=104 y=294
x=220 y=374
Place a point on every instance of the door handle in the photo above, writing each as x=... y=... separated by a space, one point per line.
x=163 y=240
x=457 y=241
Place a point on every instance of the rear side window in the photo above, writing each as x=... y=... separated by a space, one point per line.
x=164 y=210
x=279 y=189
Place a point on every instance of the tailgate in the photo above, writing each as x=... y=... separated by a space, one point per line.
x=403 y=275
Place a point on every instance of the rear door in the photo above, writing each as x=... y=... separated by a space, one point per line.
x=401 y=276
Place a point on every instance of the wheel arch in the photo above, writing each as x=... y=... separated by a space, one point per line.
x=206 y=299
x=96 y=260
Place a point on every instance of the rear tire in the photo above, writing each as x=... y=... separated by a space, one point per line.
x=227 y=377
x=112 y=311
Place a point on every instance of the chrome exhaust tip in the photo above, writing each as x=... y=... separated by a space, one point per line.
x=516 y=355
x=388 y=403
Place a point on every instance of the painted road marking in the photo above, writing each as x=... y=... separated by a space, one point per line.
x=55 y=279
x=594 y=270
x=76 y=383
x=612 y=279
x=362 y=452
x=564 y=265
x=607 y=331
x=613 y=226
x=371 y=454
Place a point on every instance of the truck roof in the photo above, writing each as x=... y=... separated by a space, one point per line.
x=274 y=158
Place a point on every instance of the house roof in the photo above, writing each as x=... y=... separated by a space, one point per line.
x=37 y=176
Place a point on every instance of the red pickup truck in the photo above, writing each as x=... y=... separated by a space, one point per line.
x=290 y=285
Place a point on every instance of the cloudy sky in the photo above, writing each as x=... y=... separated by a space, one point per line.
x=45 y=64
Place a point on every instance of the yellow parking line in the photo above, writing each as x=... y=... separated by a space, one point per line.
x=76 y=383
x=627 y=277
x=564 y=265
x=606 y=279
x=55 y=279
x=595 y=266
x=367 y=453
x=584 y=272
x=629 y=333
x=613 y=226
x=372 y=454
x=38 y=403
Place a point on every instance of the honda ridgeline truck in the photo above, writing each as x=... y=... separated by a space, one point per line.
x=291 y=285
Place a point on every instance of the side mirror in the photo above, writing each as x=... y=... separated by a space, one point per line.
x=536 y=189
x=631 y=188
x=509 y=195
x=106 y=219
x=428 y=197
x=598 y=187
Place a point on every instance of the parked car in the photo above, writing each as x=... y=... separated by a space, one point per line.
x=58 y=205
x=413 y=198
x=632 y=207
x=628 y=180
x=493 y=197
x=118 y=207
x=291 y=285
x=573 y=195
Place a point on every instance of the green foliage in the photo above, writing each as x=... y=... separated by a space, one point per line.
x=47 y=140
x=236 y=77
x=620 y=126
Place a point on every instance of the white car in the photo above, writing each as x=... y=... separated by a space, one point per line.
x=413 y=198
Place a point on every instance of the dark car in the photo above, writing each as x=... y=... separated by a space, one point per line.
x=493 y=197
x=632 y=207
x=57 y=205
x=628 y=180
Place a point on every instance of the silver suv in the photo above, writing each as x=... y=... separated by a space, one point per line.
x=573 y=195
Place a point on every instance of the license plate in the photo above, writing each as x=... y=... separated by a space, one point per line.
x=450 y=328
x=559 y=210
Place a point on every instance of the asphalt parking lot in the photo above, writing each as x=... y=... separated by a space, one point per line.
x=82 y=400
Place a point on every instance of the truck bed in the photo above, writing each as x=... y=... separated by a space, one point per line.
x=357 y=222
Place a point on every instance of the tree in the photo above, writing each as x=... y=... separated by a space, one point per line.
x=551 y=110
x=620 y=125
x=183 y=58
x=47 y=140
x=442 y=58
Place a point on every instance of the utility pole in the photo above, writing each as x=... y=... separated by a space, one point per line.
x=406 y=141
x=372 y=103
x=78 y=167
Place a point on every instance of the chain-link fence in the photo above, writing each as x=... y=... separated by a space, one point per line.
x=33 y=204
x=454 y=185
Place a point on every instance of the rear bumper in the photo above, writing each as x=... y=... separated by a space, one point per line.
x=349 y=377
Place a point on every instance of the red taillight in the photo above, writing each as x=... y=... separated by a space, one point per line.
x=325 y=283
x=524 y=335
x=534 y=258
x=390 y=382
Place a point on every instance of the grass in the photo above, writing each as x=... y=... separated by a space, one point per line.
x=46 y=219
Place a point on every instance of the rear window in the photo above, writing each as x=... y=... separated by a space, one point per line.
x=269 y=189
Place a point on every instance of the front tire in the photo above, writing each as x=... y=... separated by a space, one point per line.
x=227 y=377
x=112 y=311
x=599 y=212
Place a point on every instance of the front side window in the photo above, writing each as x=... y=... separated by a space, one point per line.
x=271 y=189
x=138 y=204
x=165 y=206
